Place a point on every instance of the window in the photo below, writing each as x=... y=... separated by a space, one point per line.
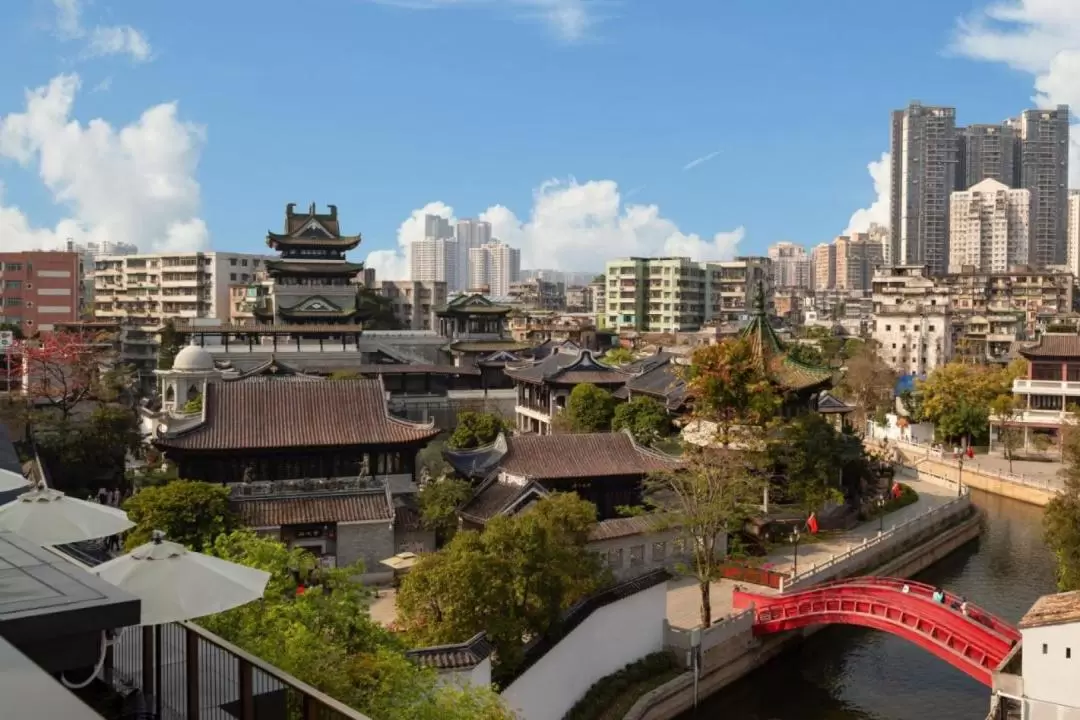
x=1044 y=648
x=1068 y=653
x=244 y=263
x=12 y=302
x=614 y=558
x=232 y=277
x=13 y=267
x=13 y=284
x=637 y=556
x=232 y=261
x=659 y=551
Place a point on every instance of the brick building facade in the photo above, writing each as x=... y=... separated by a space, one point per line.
x=39 y=289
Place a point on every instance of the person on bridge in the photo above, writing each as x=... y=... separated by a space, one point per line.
x=964 y=607
x=939 y=596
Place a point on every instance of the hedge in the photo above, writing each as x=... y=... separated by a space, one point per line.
x=607 y=690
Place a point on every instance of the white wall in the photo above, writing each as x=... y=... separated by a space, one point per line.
x=479 y=676
x=919 y=433
x=1052 y=677
x=612 y=637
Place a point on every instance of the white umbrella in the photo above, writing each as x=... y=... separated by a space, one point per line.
x=175 y=583
x=49 y=517
x=12 y=481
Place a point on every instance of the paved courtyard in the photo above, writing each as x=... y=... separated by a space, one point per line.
x=683 y=600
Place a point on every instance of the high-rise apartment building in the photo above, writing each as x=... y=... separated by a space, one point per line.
x=987 y=152
x=924 y=150
x=39 y=289
x=144 y=291
x=1044 y=170
x=673 y=294
x=436 y=226
x=434 y=260
x=1072 y=233
x=496 y=266
x=879 y=235
x=823 y=267
x=470 y=234
x=989 y=227
x=790 y=265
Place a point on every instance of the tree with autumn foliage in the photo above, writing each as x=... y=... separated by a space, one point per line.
x=958 y=397
x=59 y=370
x=728 y=387
x=868 y=384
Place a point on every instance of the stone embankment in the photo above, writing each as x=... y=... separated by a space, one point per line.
x=728 y=648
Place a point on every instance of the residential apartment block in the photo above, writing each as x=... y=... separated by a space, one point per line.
x=414 y=302
x=1044 y=170
x=847 y=263
x=434 y=260
x=912 y=320
x=470 y=235
x=1072 y=233
x=989 y=227
x=673 y=294
x=39 y=289
x=790 y=265
x=494 y=265
x=144 y=291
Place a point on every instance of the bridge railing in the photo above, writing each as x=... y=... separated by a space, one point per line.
x=681 y=640
x=941 y=456
x=856 y=557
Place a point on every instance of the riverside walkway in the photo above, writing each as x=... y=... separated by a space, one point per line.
x=683 y=599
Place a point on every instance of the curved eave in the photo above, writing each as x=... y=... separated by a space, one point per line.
x=330 y=270
x=281 y=242
x=313 y=315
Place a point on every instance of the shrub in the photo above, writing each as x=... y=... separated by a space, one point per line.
x=607 y=690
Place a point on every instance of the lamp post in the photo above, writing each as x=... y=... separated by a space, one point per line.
x=881 y=514
x=795 y=563
x=959 y=454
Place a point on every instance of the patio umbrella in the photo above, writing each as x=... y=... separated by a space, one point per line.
x=174 y=583
x=49 y=517
x=12 y=481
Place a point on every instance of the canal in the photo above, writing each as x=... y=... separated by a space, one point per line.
x=846 y=673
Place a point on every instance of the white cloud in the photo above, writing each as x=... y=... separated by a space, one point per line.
x=878 y=211
x=101 y=39
x=572 y=226
x=570 y=20
x=1040 y=37
x=134 y=184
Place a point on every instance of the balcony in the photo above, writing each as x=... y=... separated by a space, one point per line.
x=1025 y=386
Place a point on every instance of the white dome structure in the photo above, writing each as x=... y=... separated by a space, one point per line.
x=193 y=359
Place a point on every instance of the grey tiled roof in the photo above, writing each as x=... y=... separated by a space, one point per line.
x=464 y=655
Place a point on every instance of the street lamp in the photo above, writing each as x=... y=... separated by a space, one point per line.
x=881 y=513
x=959 y=454
x=795 y=563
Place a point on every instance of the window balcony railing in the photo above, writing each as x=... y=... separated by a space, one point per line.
x=1025 y=386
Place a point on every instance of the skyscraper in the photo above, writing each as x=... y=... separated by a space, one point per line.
x=494 y=265
x=988 y=151
x=924 y=172
x=435 y=258
x=471 y=234
x=790 y=265
x=1044 y=170
x=989 y=227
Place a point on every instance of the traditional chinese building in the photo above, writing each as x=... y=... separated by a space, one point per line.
x=657 y=377
x=607 y=469
x=478 y=335
x=312 y=281
x=320 y=463
x=543 y=385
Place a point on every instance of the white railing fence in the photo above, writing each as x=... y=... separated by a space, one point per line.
x=681 y=640
x=939 y=455
x=855 y=557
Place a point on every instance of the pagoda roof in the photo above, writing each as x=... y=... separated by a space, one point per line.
x=312 y=267
x=288 y=415
x=657 y=377
x=782 y=369
x=272 y=369
x=318 y=307
x=569 y=368
x=312 y=229
x=472 y=305
x=1053 y=345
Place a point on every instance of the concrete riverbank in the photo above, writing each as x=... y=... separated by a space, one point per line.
x=729 y=650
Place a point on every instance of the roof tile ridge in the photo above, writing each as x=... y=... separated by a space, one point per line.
x=644 y=450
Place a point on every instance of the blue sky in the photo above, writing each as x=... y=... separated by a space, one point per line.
x=568 y=123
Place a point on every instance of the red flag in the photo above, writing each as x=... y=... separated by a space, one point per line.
x=300 y=590
x=811 y=524
x=970 y=452
x=896 y=492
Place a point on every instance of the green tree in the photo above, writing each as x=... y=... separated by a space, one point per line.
x=326 y=638
x=14 y=329
x=806 y=354
x=439 y=501
x=377 y=310
x=712 y=494
x=728 y=386
x=169 y=342
x=475 y=429
x=190 y=513
x=646 y=419
x=193 y=405
x=868 y=384
x=956 y=397
x=1006 y=410
x=813 y=455
x=513 y=580
x=430 y=461
x=618 y=356
x=1061 y=521
x=589 y=409
x=345 y=375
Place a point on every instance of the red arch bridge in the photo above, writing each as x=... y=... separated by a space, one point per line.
x=975 y=643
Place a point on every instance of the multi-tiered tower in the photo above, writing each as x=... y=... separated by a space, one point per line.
x=312 y=282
